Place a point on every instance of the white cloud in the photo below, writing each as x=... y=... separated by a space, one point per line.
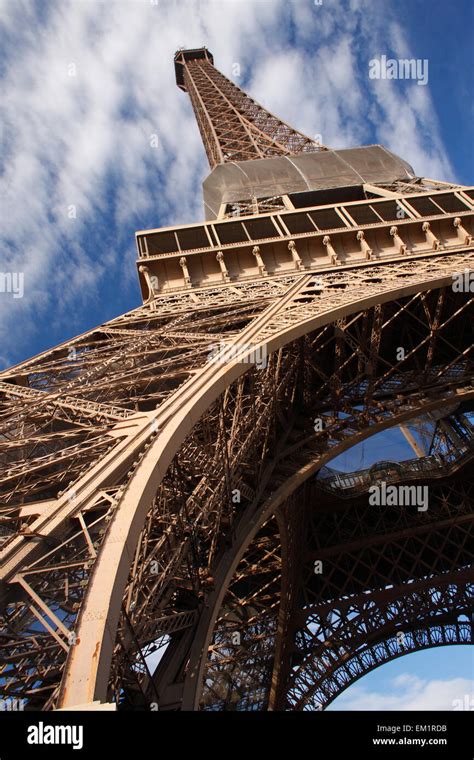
x=409 y=692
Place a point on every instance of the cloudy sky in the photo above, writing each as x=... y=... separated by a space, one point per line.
x=99 y=142
x=88 y=83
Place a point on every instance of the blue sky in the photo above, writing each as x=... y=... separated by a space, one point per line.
x=87 y=83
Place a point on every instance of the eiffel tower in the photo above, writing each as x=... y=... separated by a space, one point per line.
x=173 y=535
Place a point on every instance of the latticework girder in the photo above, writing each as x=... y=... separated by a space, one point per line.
x=256 y=435
x=233 y=126
x=164 y=494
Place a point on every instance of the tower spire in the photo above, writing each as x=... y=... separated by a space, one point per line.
x=233 y=126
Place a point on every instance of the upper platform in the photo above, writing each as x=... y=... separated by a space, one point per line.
x=181 y=56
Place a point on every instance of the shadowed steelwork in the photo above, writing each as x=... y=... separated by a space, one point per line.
x=172 y=531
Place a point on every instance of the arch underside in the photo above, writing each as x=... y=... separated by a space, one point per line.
x=397 y=582
x=275 y=447
x=392 y=583
x=427 y=636
x=219 y=550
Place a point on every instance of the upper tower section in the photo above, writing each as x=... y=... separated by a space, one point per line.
x=258 y=162
x=233 y=126
x=277 y=203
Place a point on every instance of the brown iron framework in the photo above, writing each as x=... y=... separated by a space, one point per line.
x=233 y=126
x=163 y=502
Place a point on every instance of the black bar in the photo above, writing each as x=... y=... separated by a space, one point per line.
x=254 y=735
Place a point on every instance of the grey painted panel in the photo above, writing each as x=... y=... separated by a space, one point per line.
x=237 y=181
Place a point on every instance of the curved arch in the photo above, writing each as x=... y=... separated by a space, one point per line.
x=88 y=664
x=360 y=639
x=461 y=636
x=252 y=524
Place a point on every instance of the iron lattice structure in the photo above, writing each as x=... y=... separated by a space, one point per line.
x=233 y=126
x=164 y=505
